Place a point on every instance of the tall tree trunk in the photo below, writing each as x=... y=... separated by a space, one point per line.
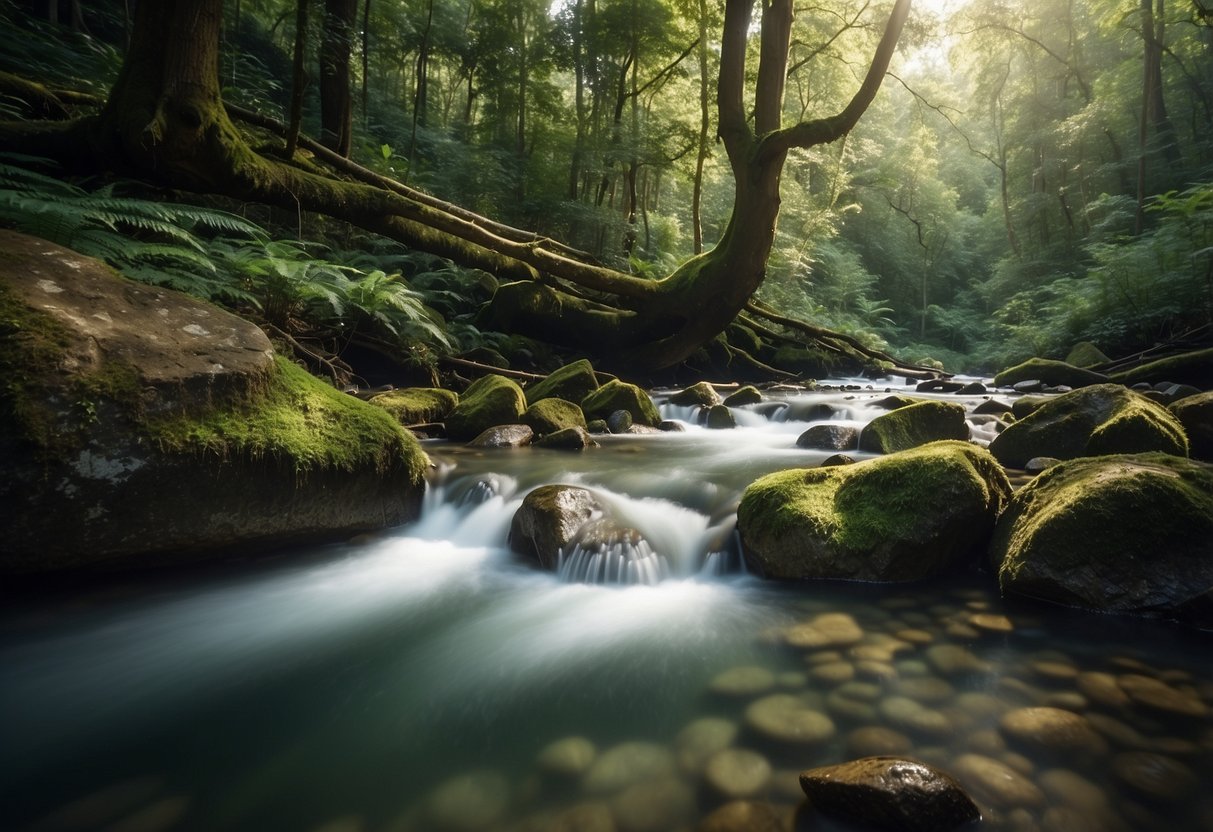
x=298 y=77
x=336 y=46
x=578 y=102
x=705 y=120
x=366 y=62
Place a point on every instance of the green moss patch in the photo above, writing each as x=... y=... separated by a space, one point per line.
x=416 y=405
x=913 y=425
x=743 y=396
x=488 y=402
x=572 y=382
x=302 y=422
x=619 y=395
x=551 y=415
x=1195 y=368
x=1049 y=372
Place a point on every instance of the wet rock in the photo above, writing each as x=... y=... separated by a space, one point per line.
x=548 y=521
x=736 y=773
x=1195 y=368
x=1154 y=776
x=1104 y=419
x=843 y=706
x=1054 y=671
x=1159 y=697
x=929 y=690
x=1118 y=733
x=720 y=418
x=1052 y=731
x=890 y=793
x=1037 y=464
x=898 y=518
x=915 y=636
x=996 y=784
x=743 y=816
x=1025 y=406
x=786 y=718
x=1068 y=787
x=914 y=425
x=570 y=757
x=829 y=437
x=896 y=401
x=1195 y=413
x=671 y=426
x=1048 y=372
x=954 y=660
x=910 y=716
x=992 y=407
x=567 y=439
x=1063 y=536
x=700 y=740
x=619 y=421
x=837 y=459
x=653 y=806
x=416 y=405
x=832 y=673
x=504 y=436
x=833 y=629
x=625 y=764
x=489 y=401
x=972 y=388
x=1031 y=385
x=941 y=385
x=598 y=426
x=877 y=741
x=584 y=817
x=617 y=395
x=552 y=414
x=743 y=396
x=991 y=623
x=700 y=393
x=469 y=802
x=743 y=682
x=572 y=382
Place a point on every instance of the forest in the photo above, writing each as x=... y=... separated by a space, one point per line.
x=1029 y=176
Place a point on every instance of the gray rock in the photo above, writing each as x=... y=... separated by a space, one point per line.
x=568 y=439
x=548 y=521
x=1031 y=385
x=735 y=773
x=1040 y=463
x=890 y=793
x=619 y=421
x=671 y=426
x=942 y=385
x=785 y=718
x=837 y=459
x=720 y=418
x=504 y=436
x=829 y=437
x=993 y=407
x=700 y=393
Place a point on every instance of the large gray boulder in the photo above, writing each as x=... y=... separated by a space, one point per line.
x=143 y=425
x=1102 y=419
x=900 y=517
x=1128 y=534
x=548 y=521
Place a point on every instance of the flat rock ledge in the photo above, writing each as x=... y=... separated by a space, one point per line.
x=143 y=426
x=890 y=793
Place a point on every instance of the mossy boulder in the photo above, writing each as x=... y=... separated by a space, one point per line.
x=1050 y=372
x=896 y=401
x=743 y=396
x=1195 y=368
x=700 y=393
x=1127 y=534
x=900 y=517
x=417 y=405
x=552 y=415
x=1103 y=419
x=141 y=425
x=1085 y=354
x=1195 y=413
x=489 y=401
x=619 y=395
x=572 y=382
x=1026 y=405
x=913 y=425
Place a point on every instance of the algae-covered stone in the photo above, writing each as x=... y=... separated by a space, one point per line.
x=1052 y=373
x=720 y=418
x=897 y=518
x=552 y=414
x=1085 y=354
x=1130 y=534
x=700 y=393
x=1027 y=405
x=1102 y=419
x=618 y=395
x=139 y=422
x=1195 y=413
x=1195 y=368
x=914 y=425
x=417 y=405
x=896 y=401
x=572 y=382
x=743 y=396
x=490 y=401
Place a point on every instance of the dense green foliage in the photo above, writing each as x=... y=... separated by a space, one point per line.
x=1001 y=199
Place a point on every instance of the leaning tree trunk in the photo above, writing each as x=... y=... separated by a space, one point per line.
x=336 y=100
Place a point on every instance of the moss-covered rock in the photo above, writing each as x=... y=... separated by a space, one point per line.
x=1085 y=354
x=619 y=395
x=489 y=401
x=1195 y=413
x=416 y=405
x=1195 y=368
x=743 y=396
x=720 y=418
x=913 y=425
x=700 y=393
x=572 y=382
x=901 y=517
x=1027 y=405
x=1103 y=419
x=1053 y=373
x=896 y=401
x=552 y=415
x=139 y=423
x=1130 y=534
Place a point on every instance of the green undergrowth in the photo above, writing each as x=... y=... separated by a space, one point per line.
x=300 y=420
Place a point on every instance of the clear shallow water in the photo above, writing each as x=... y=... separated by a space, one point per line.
x=412 y=682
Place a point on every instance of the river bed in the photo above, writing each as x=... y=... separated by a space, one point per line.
x=425 y=680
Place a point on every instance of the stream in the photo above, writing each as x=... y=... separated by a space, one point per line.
x=424 y=680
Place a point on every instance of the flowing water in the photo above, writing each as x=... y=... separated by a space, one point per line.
x=426 y=680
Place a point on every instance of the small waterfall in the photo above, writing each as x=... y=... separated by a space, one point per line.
x=620 y=561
